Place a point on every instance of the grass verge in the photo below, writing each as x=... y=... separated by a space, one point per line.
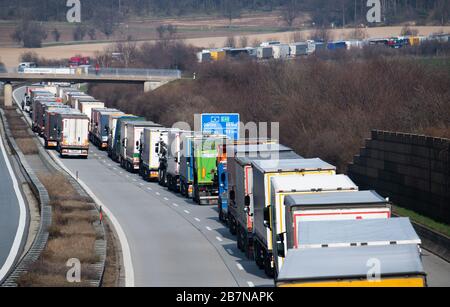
x=426 y=221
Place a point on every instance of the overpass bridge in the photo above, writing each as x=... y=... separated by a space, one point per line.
x=149 y=78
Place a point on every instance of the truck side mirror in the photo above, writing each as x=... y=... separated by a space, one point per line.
x=157 y=148
x=267 y=217
x=280 y=246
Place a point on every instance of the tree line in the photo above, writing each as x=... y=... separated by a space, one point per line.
x=323 y=12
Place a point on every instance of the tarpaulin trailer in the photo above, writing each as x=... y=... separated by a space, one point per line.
x=398 y=265
x=73 y=135
x=264 y=52
x=130 y=155
x=297 y=205
x=51 y=126
x=150 y=152
x=99 y=128
x=48 y=108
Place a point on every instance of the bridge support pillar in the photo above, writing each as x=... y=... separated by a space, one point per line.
x=7 y=89
x=151 y=86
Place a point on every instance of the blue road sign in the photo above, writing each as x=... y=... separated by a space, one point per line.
x=221 y=124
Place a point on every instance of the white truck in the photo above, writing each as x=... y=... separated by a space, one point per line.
x=172 y=159
x=281 y=51
x=240 y=188
x=151 y=139
x=263 y=172
x=72 y=135
x=294 y=204
x=131 y=149
x=86 y=107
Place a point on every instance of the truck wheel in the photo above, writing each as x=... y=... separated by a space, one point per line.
x=257 y=254
x=268 y=265
x=233 y=226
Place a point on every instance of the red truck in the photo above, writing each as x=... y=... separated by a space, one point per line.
x=79 y=61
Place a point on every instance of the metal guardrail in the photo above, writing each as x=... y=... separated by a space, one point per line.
x=104 y=71
x=40 y=192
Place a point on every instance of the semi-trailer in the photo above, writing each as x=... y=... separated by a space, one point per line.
x=170 y=160
x=186 y=164
x=38 y=114
x=226 y=157
x=50 y=134
x=113 y=119
x=240 y=210
x=293 y=204
x=120 y=135
x=86 y=107
x=73 y=135
x=130 y=154
x=99 y=128
x=75 y=99
x=263 y=172
x=150 y=152
x=205 y=185
x=401 y=266
x=48 y=107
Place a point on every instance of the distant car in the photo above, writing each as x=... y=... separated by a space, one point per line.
x=24 y=65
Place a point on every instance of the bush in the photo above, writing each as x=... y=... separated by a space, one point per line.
x=325 y=108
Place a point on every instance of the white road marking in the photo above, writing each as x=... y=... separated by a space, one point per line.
x=230 y=251
x=176 y=205
x=219 y=239
x=109 y=164
x=197 y=219
x=22 y=218
x=128 y=176
x=165 y=198
x=208 y=228
x=114 y=168
x=187 y=212
x=157 y=193
x=250 y=284
x=141 y=184
x=240 y=267
x=134 y=180
x=149 y=189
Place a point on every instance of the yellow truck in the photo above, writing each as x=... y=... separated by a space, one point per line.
x=218 y=55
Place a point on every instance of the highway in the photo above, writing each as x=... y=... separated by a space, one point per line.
x=12 y=214
x=174 y=242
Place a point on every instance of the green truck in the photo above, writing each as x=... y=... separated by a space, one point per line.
x=206 y=150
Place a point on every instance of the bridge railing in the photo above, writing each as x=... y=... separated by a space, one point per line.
x=91 y=71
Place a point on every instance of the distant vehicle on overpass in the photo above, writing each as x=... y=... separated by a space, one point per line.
x=22 y=66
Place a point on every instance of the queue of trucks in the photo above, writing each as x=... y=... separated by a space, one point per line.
x=291 y=215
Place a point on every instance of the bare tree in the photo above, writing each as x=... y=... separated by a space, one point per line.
x=322 y=35
x=243 y=41
x=230 y=42
x=128 y=51
x=290 y=12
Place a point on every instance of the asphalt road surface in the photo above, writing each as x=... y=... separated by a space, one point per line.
x=174 y=242
x=11 y=228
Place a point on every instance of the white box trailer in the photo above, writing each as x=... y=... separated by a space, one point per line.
x=87 y=106
x=264 y=52
x=67 y=95
x=112 y=129
x=151 y=149
x=263 y=172
x=298 y=49
x=281 y=51
x=74 y=100
x=291 y=208
x=130 y=156
x=73 y=135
